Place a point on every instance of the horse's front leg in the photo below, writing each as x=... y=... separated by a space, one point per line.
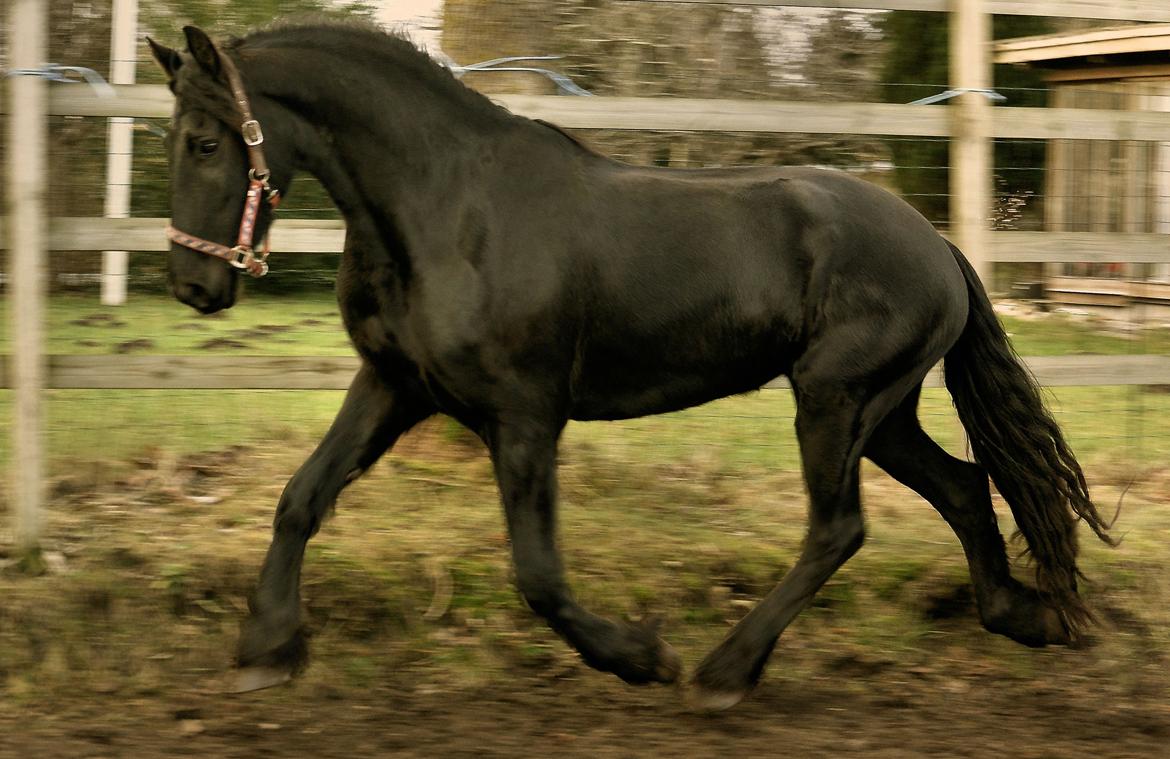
x=272 y=644
x=524 y=455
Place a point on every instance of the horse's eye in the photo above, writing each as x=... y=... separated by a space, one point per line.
x=207 y=148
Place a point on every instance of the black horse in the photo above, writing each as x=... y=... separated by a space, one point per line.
x=498 y=271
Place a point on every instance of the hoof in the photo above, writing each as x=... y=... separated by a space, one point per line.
x=725 y=677
x=262 y=646
x=659 y=663
x=633 y=652
x=251 y=679
x=703 y=701
x=1020 y=613
x=647 y=658
x=1056 y=632
x=669 y=664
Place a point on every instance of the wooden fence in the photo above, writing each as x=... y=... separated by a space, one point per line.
x=969 y=120
x=151 y=372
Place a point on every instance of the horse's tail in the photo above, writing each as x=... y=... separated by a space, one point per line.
x=1016 y=439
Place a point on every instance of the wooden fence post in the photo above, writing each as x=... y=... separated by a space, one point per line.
x=27 y=172
x=971 y=147
x=120 y=147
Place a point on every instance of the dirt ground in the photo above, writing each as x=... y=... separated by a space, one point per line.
x=123 y=651
x=851 y=708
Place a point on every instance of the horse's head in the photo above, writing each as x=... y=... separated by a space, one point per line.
x=212 y=155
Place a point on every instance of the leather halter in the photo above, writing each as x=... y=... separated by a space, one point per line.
x=242 y=255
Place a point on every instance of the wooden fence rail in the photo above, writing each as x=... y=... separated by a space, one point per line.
x=327 y=236
x=202 y=372
x=719 y=115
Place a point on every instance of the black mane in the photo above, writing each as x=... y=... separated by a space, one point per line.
x=361 y=40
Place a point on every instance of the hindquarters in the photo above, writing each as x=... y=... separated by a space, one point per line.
x=885 y=299
x=873 y=332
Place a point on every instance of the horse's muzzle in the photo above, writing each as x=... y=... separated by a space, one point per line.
x=198 y=298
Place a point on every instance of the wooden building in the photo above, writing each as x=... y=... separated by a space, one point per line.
x=1100 y=185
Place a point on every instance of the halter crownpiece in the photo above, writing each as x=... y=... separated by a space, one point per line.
x=242 y=255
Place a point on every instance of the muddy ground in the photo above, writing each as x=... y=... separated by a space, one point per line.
x=853 y=707
x=122 y=646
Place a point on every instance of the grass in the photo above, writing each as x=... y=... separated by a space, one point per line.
x=307 y=325
x=1115 y=428
x=1061 y=335
x=751 y=433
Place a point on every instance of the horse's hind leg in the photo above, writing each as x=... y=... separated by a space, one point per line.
x=831 y=425
x=959 y=491
x=373 y=416
x=524 y=455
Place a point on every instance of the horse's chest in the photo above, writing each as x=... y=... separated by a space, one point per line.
x=375 y=340
x=376 y=321
x=423 y=337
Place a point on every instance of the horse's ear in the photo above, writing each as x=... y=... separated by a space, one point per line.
x=167 y=58
x=202 y=49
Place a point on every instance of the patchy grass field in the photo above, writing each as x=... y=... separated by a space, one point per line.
x=307 y=325
x=757 y=430
x=161 y=506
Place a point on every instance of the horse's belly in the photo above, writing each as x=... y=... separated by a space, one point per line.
x=653 y=383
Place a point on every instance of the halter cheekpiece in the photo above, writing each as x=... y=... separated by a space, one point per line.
x=241 y=255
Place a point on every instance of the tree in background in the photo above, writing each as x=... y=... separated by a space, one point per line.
x=230 y=17
x=79 y=34
x=915 y=65
x=694 y=50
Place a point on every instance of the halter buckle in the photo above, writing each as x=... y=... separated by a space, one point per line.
x=252 y=133
x=241 y=257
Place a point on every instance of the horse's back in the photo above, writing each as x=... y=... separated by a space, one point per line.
x=707 y=283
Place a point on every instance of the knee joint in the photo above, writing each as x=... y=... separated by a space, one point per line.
x=543 y=597
x=842 y=537
x=296 y=512
x=852 y=537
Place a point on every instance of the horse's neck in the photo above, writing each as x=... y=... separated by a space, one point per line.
x=382 y=143
x=380 y=115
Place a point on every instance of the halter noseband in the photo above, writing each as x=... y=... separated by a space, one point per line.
x=242 y=255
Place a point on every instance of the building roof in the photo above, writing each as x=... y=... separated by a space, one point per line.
x=1144 y=41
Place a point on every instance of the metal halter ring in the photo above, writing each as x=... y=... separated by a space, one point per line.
x=252 y=133
x=261 y=176
x=240 y=257
x=247 y=260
